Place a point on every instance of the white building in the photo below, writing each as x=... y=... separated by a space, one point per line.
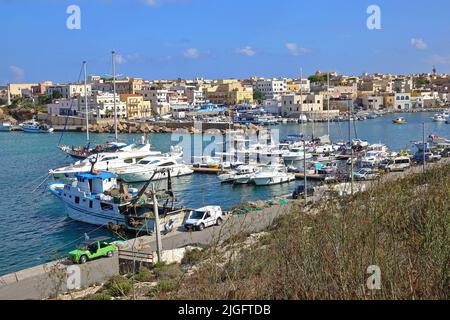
x=272 y=106
x=159 y=99
x=101 y=105
x=271 y=87
x=402 y=101
x=69 y=90
x=64 y=107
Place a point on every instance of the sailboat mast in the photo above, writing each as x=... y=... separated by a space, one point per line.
x=328 y=104
x=301 y=100
x=114 y=92
x=86 y=101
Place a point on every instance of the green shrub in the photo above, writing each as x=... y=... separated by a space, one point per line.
x=104 y=295
x=163 y=286
x=118 y=286
x=144 y=275
x=167 y=271
x=192 y=256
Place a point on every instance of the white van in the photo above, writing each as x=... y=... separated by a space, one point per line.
x=396 y=164
x=204 y=217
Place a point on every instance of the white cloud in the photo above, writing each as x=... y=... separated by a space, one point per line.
x=246 y=51
x=19 y=73
x=440 y=59
x=295 y=50
x=419 y=44
x=191 y=53
x=120 y=59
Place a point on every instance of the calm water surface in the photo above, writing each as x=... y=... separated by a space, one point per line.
x=35 y=228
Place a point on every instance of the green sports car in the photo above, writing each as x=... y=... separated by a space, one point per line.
x=92 y=249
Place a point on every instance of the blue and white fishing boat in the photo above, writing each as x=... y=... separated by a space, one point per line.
x=33 y=126
x=94 y=198
x=5 y=127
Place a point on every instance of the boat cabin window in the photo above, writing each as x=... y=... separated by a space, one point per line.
x=106 y=206
x=90 y=203
x=77 y=199
x=128 y=161
x=167 y=164
x=109 y=158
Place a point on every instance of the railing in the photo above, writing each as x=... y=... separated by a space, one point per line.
x=136 y=255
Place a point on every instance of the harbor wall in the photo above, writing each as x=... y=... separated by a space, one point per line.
x=48 y=280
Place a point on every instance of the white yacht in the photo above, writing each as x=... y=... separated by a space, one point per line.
x=104 y=161
x=439 y=118
x=148 y=167
x=270 y=175
x=295 y=154
x=245 y=174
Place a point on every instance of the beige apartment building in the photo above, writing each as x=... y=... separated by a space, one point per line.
x=293 y=106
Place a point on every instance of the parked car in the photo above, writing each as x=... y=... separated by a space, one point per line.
x=300 y=191
x=446 y=152
x=204 y=217
x=429 y=157
x=396 y=164
x=92 y=249
x=366 y=174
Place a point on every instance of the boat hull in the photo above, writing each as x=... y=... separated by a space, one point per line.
x=271 y=180
x=147 y=175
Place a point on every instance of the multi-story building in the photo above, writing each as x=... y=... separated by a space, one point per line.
x=101 y=105
x=403 y=101
x=20 y=89
x=293 y=106
x=271 y=87
x=401 y=85
x=230 y=92
x=372 y=102
x=159 y=99
x=40 y=88
x=69 y=90
x=64 y=107
x=295 y=85
x=137 y=107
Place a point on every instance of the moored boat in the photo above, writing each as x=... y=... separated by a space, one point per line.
x=33 y=126
x=400 y=120
x=5 y=127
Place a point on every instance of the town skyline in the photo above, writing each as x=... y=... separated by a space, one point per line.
x=176 y=39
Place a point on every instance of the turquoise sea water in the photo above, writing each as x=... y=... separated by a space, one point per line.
x=34 y=227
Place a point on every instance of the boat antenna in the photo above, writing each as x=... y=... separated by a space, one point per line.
x=114 y=92
x=93 y=161
x=86 y=101
x=328 y=104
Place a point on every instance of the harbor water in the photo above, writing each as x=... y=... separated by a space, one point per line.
x=35 y=229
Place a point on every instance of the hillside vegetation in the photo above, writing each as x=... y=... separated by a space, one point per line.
x=401 y=226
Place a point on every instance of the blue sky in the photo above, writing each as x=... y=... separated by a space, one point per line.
x=166 y=39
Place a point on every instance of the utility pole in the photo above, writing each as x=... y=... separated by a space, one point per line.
x=86 y=101
x=304 y=172
x=424 y=146
x=114 y=92
x=328 y=104
x=351 y=148
x=158 y=234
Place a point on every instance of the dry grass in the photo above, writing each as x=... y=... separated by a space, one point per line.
x=402 y=226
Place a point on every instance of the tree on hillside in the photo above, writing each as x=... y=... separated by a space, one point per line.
x=57 y=94
x=258 y=96
x=316 y=78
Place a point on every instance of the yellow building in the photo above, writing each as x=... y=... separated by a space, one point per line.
x=388 y=100
x=230 y=92
x=136 y=106
x=293 y=86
